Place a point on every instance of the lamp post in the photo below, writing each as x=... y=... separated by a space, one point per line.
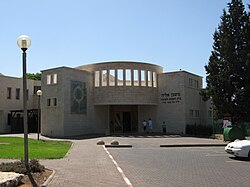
x=39 y=93
x=24 y=43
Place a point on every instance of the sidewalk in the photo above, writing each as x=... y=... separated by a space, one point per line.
x=87 y=164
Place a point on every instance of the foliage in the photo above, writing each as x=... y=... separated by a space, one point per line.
x=199 y=130
x=228 y=78
x=19 y=166
x=12 y=148
x=34 y=76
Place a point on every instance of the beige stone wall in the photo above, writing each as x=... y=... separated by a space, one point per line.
x=52 y=116
x=180 y=102
x=59 y=121
x=12 y=103
x=171 y=98
x=105 y=95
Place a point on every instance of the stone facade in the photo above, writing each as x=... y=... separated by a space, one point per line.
x=115 y=97
x=11 y=98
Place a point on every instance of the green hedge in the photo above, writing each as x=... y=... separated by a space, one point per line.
x=199 y=130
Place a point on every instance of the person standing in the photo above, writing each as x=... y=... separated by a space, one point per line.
x=150 y=125
x=144 y=123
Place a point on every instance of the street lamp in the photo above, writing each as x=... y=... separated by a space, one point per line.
x=39 y=93
x=24 y=43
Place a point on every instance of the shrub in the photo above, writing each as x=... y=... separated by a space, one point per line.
x=19 y=166
x=199 y=130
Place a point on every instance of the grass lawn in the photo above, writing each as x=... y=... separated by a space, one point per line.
x=13 y=148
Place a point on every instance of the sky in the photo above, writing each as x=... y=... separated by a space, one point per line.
x=175 y=34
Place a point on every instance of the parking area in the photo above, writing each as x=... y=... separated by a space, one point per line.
x=185 y=166
x=147 y=164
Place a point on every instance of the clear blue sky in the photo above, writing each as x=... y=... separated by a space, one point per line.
x=175 y=34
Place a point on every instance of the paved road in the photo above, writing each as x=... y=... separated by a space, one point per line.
x=146 y=164
x=179 y=167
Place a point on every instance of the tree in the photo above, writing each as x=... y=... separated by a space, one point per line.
x=33 y=76
x=228 y=81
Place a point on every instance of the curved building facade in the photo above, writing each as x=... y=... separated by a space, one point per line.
x=124 y=82
x=116 y=97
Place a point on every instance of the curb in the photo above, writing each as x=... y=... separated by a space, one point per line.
x=49 y=179
x=194 y=145
x=119 y=146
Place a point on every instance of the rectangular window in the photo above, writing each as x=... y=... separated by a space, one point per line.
x=112 y=77
x=149 y=78
x=8 y=93
x=97 y=78
x=48 y=79
x=48 y=102
x=143 y=78
x=136 y=77
x=191 y=113
x=154 y=79
x=128 y=77
x=104 y=77
x=54 y=78
x=197 y=113
x=120 y=77
x=17 y=93
x=190 y=82
x=55 y=101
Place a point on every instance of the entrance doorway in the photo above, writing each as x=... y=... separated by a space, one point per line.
x=126 y=122
x=123 y=119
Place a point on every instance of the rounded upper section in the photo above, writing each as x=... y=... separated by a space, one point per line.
x=124 y=82
x=120 y=65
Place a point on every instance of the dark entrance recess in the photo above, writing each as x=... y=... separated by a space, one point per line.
x=123 y=119
x=126 y=122
x=15 y=120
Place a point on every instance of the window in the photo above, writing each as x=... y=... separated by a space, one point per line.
x=97 y=78
x=120 y=77
x=36 y=88
x=197 y=84
x=112 y=77
x=191 y=113
x=52 y=79
x=154 y=79
x=149 y=78
x=17 y=93
x=48 y=79
x=48 y=102
x=197 y=113
x=104 y=77
x=52 y=102
x=190 y=82
x=193 y=83
x=55 y=101
x=136 y=77
x=8 y=93
x=143 y=78
x=128 y=77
